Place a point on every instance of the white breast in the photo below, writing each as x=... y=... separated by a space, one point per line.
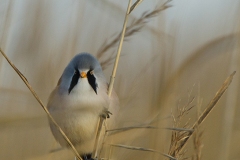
x=77 y=114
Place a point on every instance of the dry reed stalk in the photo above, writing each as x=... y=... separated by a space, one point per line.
x=179 y=141
x=134 y=27
x=110 y=87
x=135 y=5
x=210 y=106
x=197 y=135
x=126 y=31
x=41 y=103
x=197 y=143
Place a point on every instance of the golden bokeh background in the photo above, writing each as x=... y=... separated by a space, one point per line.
x=188 y=50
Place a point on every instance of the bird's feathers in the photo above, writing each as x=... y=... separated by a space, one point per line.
x=75 y=105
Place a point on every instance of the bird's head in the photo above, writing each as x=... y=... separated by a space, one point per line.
x=81 y=68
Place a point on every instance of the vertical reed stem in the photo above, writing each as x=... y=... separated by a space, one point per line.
x=95 y=149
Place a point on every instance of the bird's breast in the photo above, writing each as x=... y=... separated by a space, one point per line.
x=77 y=113
x=83 y=96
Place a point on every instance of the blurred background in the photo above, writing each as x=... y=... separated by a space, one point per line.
x=185 y=51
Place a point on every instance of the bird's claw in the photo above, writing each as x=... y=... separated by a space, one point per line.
x=106 y=114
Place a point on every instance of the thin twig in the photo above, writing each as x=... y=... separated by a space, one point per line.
x=147 y=127
x=130 y=128
x=41 y=103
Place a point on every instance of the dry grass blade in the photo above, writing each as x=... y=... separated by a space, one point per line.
x=135 y=5
x=210 y=106
x=130 y=128
x=197 y=137
x=214 y=100
x=134 y=27
x=147 y=127
x=139 y=23
x=181 y=129
x=41 y=103
x=142 y=149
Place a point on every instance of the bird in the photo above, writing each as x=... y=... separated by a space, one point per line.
x=80 y=97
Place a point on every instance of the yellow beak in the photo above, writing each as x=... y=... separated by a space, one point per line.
x=83 y=75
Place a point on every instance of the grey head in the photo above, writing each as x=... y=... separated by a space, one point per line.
x=72 y=73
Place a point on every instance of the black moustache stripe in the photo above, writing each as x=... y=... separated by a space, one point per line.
x=92 y=81
x=74 y=81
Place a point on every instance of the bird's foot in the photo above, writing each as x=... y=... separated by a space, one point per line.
x=105 y=114
x=88 y=157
